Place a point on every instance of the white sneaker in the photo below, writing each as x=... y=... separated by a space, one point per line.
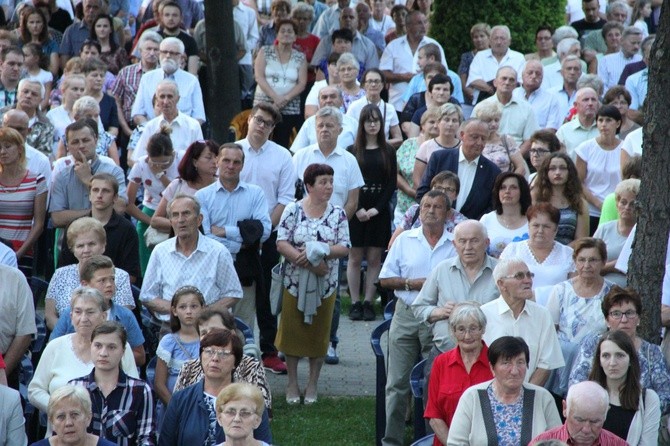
x=331 y=356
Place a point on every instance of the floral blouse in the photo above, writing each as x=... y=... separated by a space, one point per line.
x=507 y=418
x=405 y=159
x=499 y=154
x=297 y=228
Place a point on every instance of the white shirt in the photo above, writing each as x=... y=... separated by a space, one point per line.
x=270 y=167
x=383 y=26
x=190 y=94
x=603 y=171
x=545 y=105
x=169 y=269
x=534 y=325
x=387 y=110
x=518 y=119
x=185 y=130
x=246 y=18
x=573 y=133
x=7 y=256
x=347 y=175
x=611 y=66
x=565 y=101
x=398 y=57
x=633 y=142
x=466 y=173
x=37 y=162
x=485 y=66
x=411 y=257
x=307 y=134
x=313 y=95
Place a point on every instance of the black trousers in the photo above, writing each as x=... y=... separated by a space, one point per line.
x=267 y=322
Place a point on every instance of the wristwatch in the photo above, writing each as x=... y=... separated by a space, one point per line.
x=407 y=288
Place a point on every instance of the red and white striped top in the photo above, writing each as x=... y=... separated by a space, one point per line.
x=17 y=204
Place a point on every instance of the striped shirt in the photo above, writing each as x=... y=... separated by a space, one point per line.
x=611 y=66
x=17 y=204
x=125 y=87
x=126 y=415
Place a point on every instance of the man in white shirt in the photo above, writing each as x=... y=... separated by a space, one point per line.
x=399 y=59
x=611 y=66
x=518 y=119
x=515 y=314
x=190 y=99
x=269 y=166
x=545 y=104
x=583 y=126
x=328 y=97
x=571 y=71
x=412 y=256
x=185 y=129
x=485 y=65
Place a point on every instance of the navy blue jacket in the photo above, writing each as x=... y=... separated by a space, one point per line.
x=479 y=201
x=186 y=420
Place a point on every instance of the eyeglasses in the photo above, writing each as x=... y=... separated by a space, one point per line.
x=538 y=151
x=462 y=331
x=262 y=122
x=212 y=352
x=630 y=314
x=232 y=413
x=521 y=275
x=161 y=163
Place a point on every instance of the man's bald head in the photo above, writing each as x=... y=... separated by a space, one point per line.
x=17 y=120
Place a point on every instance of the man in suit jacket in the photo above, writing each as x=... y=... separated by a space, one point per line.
x=477 y=173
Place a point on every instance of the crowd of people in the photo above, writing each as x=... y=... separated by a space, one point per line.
x=496 y=203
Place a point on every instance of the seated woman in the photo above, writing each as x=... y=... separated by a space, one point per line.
x=622 y=309
x=614 y=233
x=507 y=222
x=246 y=401
x=69 y=356
x=497 y=411
x=250 y=370
x=634 y=412
x=501 y=149
x=98 y=272
x=191 y=417
x=542 y=143
x=86 y=237
x=122 y=407
x=69 y=412
x=347 y=72
x=456 y=370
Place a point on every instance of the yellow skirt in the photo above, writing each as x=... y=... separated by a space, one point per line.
x=295 y=337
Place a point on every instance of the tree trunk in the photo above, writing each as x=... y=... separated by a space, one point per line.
x=222 y=69
x=647 y=263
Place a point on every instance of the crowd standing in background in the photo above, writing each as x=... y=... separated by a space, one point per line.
x=361 y=162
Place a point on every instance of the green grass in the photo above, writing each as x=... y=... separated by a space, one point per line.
x=330 y=421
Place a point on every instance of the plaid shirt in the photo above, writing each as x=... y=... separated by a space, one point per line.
x=126 y=415
x=126 y=85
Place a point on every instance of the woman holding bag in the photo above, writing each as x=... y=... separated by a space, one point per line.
x=312 y=234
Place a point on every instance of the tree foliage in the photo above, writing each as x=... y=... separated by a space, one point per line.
x=452 y=19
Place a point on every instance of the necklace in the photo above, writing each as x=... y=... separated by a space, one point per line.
x=9 y=189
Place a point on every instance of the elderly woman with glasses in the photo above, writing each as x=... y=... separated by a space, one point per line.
x=191 y=417
x=458 y=369
x=622 y=309
x=239 y=409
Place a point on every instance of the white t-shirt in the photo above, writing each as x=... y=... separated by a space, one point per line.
x=153 y=187
x=388 y=112
x=603 y=170
x=500 y=236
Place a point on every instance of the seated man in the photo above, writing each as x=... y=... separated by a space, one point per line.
x=545 y=104
x=98 y=272
x=189 y=258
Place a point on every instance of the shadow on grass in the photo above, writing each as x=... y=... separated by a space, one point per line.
x=330 y=421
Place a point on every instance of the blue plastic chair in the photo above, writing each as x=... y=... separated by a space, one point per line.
x=246 y=331
x=417 y=382
x=425 y=441
x=380 y=388
x=39 y=289
x=389 y=309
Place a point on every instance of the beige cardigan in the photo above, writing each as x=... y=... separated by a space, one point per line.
x=467 y=426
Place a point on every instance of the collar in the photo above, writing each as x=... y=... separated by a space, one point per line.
x=337 y=151
x=489 y=263
x=456 y=359
x=178 y=119
x=418 y=234
x=200 y=246
x=241 y=185
x=462 y=158
x=503 y=307
x=91 y=385
x=246 y=144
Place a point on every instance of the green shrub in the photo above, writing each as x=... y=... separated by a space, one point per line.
x=452 y=19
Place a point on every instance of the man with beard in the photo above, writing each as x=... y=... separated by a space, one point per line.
x=190 y=94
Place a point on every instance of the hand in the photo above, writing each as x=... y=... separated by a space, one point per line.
x=218 y=231
x=321 y=269
x=372 y=212
x=447 y=309
x=362 y=215
x=82 y=169
x=301 y=259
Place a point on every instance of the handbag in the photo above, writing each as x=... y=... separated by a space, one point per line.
x=277 y=275
x=152 y=237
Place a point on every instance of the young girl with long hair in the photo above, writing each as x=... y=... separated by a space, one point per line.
x=557 y=183
x=370 y=228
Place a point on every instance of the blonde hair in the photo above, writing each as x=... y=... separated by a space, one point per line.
x=237 y=391
x=83 y=225
x=11 y=136
x=72 y=394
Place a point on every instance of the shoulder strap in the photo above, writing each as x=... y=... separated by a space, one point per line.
x=527 y=416
x=416 y=216
x=487 y=414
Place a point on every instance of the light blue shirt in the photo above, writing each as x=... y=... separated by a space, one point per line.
x=418 y=85
x=224 y=209
x=636 y=84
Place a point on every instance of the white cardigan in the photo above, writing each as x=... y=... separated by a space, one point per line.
x=643 y=430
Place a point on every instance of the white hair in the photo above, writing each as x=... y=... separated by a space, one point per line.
x=504 y=266
x=25 y=81
x=588 y=394
x=175 y=41
x=330 y=112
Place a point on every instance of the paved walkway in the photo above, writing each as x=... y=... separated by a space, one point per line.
x=353 y=376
